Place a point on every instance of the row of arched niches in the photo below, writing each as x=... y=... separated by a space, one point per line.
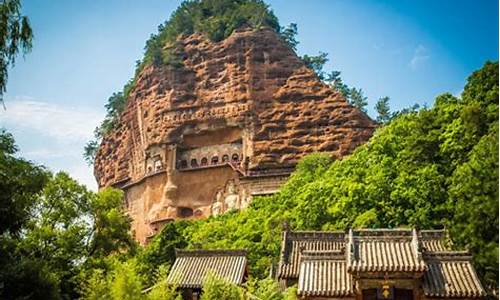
x=205 y=162
x=207 y=156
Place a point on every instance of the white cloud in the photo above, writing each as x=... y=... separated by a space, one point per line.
x=51 y=120
x=83 y=174
x=51 y=134
x=420 y=56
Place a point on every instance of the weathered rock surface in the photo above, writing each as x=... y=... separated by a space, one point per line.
x=230 y=123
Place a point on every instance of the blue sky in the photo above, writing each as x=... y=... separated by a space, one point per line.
x=84 y=51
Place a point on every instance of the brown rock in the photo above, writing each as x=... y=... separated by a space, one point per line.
x=228 y=125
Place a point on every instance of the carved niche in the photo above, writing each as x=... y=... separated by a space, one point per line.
x=230 y=197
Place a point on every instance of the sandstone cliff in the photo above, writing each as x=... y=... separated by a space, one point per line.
x=233 y=120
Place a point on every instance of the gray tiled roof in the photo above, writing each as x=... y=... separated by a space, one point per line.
x=191 y=267
x=324 y=274
x=323 y=261
x=382 y=250
x=451 y=274
x=434 y=240
x=295 y=241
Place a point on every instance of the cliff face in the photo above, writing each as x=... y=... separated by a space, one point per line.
x=230 y=123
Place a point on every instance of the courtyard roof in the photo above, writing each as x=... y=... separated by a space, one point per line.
x=192 y=266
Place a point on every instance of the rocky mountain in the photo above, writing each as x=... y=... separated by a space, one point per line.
x=228 y=123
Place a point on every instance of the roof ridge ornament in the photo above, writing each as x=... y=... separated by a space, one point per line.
x=350 y=248
x=209 y=252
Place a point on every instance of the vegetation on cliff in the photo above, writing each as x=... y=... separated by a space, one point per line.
x=216 y=20
x=428 y=168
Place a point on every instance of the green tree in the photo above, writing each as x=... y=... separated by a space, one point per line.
x=20 y=182
x=474 y=200
x=316 y=63
x=97 y=286
x=161 y=290
x=110 y=225
x=215 y=288
x=383 y=110
x=288 y=34
x=428 y=167
x=16 y=35
x=90 y=149
x=358 y=99
x=126 y=284
x=114 y=108
x=161 y=251
x=66 y=229
x=72 y=226
x=335 y=81
x=267 y=288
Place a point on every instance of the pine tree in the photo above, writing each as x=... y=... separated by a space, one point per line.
x=383 y=110
x=358 y=99
x=335 y=81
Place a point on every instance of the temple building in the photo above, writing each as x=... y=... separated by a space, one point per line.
x=375 y=264
x=192 y=266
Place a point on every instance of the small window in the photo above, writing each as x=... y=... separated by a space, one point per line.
x=184 y=212
x=194 y=163
x=158 y=165
x=225 y=158
x=215 y=160
x=184 y=164
x=235 y=157
x=204 y=161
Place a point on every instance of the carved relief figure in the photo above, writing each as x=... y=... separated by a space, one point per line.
x=245 y=199
x=232 y=198
x=217 y=206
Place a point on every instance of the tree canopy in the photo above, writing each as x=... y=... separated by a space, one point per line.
x=53 y=230
x=216 y=19
x=427 y=168
x=15 y=35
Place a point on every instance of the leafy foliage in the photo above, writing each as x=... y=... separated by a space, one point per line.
x=114 y=108
x=126 y=284
x=428 y=168
x=266 y=288
x=335 y=81
x=15 y=35
x=53 y=229
x=358 y=99
x=316 y=63
x=288 y=35
x=383 y=110
x=20 y=182
x=162 y=291
x=215 y=288
x=216 y=19
x=161 y=251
